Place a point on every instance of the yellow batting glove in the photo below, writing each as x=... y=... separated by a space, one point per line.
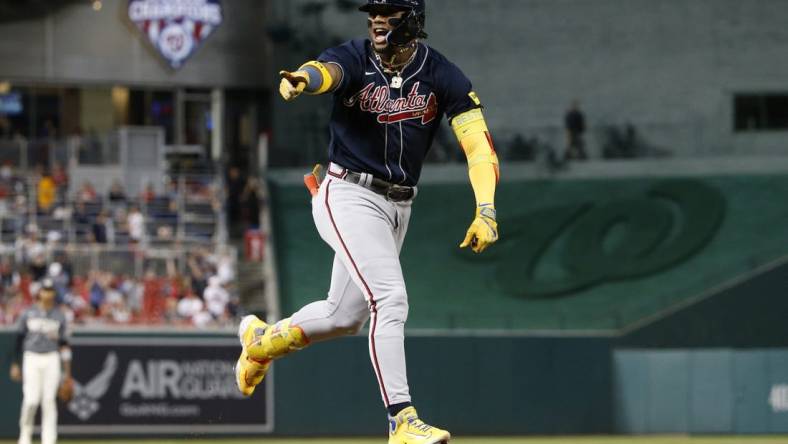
x=483 y=232
x=292 y=84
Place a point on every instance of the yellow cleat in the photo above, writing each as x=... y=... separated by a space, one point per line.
x=249 y=372
x=407 y=428
x=274 y=341
x=262 y=343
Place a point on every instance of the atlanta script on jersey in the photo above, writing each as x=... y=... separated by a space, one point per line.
x=383 y=123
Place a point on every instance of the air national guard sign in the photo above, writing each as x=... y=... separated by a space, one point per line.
x=176 y=28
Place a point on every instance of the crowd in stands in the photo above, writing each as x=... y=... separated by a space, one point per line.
x=201 y=295
x=186 y=210
x=47 y=232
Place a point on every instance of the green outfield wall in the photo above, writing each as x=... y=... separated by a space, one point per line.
x=472 y=385
x=717 y=391
x=574 y=254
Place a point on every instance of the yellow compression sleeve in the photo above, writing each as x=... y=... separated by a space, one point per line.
x=319 y=78
x=471 y=130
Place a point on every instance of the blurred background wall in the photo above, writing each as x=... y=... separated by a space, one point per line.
x=683 y=73
x=77 y=43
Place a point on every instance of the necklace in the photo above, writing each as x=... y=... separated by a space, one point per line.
x=396 y=70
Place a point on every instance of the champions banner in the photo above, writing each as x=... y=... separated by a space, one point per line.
x=176 y=28
x=151 y=386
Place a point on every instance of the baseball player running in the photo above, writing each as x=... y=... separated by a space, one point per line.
x=43 y=337
x=390 y=92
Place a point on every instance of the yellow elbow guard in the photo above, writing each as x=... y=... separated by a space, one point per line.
x=320 y=80
x=471 y=130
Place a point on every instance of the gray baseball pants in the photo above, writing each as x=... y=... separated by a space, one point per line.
x=366 y=232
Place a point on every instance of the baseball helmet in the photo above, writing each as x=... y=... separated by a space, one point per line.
x=410 y=26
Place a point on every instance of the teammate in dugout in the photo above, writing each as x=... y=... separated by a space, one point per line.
x=43 y=336
x=390 y=92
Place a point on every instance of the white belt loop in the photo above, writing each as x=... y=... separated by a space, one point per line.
x=365 y=180
x=337 y=170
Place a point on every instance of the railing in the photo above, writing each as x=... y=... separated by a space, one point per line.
x=190 y=212
x=122 y=260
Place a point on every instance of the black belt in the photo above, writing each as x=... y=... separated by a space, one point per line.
x=391 y=191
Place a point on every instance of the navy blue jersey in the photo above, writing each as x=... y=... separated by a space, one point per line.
x=385 y=130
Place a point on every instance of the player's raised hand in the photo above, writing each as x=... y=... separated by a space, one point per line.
x=483 y=231
x=16 y=373
x=292 y=84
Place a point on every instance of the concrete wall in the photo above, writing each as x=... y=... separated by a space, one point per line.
x=670 y=67
x=79 y=45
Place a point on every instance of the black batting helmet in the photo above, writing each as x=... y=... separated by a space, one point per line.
x=409 y=27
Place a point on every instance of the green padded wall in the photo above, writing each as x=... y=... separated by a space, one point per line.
x=11 y=398
x=749 y=314
x=472 y=385
x=701 y=391
x=574 y=254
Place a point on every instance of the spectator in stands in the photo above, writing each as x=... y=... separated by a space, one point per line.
x=97 y=291
x=216 y=298
x=29 y=246
x=224 y=266
x=250 y=203
x=14 y=305
x=60 y=176
x=136 y=222
x=87 y=193
x=38 y=266
x=189 y=306
x=80 y=215
x=101 y=228
x=165 y=233
x=575 y=124
x=171 y=191
x=235 y=187
x=134 y=293
x=197 y=271
x=115 y=307
x=116 y=194
x=8 y=276
x=47 y=192
x=149 y=193
x=59 y=279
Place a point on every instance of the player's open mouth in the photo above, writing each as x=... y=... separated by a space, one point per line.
x=380 y=35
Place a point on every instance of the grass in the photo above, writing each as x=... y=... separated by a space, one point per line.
x=673 y=439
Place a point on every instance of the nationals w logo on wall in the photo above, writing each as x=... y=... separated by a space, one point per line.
x=176 y=28
x=659 y=228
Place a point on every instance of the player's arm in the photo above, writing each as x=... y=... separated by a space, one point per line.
x=312 y=78
x=474 y=137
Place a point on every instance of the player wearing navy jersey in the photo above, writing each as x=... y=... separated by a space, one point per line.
x=390 y=92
